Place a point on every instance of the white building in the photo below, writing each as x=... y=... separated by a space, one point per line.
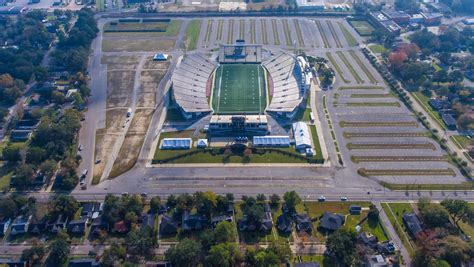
x=302 y=135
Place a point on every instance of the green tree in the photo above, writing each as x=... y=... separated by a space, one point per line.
x=225 y=255
x=373 y=215
x=205 y=202
x=281 y=249
x=36 y=155
x=11 y=154
x=455 y=250
x=63 y=205
x=114 y=255
x=342 y=247
x=274 y=201
x=155 y=203
x=225 y=232
x=291 y=199
x=24 y=175
x=8 y=207
x=59 y=250
x=433 y=215
x=458 y=210
x=34 y=254
x=267 y=259
x=140 y=242
x=186 y=253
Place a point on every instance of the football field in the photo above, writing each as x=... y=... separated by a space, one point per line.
x=238 y=89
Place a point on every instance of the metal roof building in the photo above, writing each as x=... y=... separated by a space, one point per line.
x=302 y=135
x=271 y=141
x=176 y=143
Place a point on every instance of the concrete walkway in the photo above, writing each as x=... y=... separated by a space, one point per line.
x=392 y=234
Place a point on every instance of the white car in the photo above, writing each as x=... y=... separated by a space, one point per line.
x=343 y=198
x=322 y=199
x=80 y=147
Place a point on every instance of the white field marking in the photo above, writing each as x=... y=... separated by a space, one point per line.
x=259 y=91
x=219 y=91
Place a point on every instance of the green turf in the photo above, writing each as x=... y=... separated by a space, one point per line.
x=239 y=88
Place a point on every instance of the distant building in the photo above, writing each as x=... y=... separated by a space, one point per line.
x=315 y=5
x=271 y=141
x=58 y=225
x=417 y=18
x=216 y=220
x=375 y=261
x=98 y=226
x=20 y=135
x=303 y=223
x=468 y=21
x=202 y=143
x=284 y=224
x=355 y=210
x=432 y=18
x=383 y=21
x=400 y=17
x=193 y=221
x=77 y=227
x=85 y=262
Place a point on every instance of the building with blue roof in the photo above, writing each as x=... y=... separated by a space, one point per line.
x=271 y=141
x=176 y=143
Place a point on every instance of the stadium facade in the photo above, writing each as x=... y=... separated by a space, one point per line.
x=241 y=87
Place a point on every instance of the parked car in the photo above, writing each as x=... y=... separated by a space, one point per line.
x=322 y=199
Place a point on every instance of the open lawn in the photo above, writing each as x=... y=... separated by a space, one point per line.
x=462 y=141
x=406 y=172
x=376 y=48
x=423 y=101
x=143 y=29
x=426 y=187
x=316 y=143
x=468 y=229
x=363 y=27
x=192 y=34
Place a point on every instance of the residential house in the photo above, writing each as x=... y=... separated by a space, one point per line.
x=267 y=222
x=375 y=261
x=20 y=225
x=168 y=226
x=59 y=224
x=13 y=263
x=91 y=210
x=331 y=221
x=37 y=226
x=306 y=264
x=98 y=226
x=4 y=224
x=77 y=227
x=120 y=227
x=412 y=223
x=147 y=219
x=246 y=225
x=367 y=239
x=284 y=224
x=218 y=219
x=303 y=223
x=193 y=221
x=355 y=210
x=20 y=135
x=85 y=262
x=449 y=120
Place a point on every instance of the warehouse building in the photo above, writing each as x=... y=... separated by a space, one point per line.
x=302 y=135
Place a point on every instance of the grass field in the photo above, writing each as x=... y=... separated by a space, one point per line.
x=143 y=29
x=461 y=141
x=239 y=88
x=376 y=48
x=192 y=34
x=351 y=41
x=363 y=27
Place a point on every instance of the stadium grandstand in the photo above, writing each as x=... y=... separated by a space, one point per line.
x=240 y=53
x=192 y=85
x=287 y=84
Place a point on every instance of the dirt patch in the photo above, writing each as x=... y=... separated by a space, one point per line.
x=151 y=64
x=149 y=81
x=120 y=63
x=119 y=88
x=114 y=119
x=128 y=154
x=137 y=44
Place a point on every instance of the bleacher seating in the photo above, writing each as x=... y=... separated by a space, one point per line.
x=190 y=81
x=288 y=91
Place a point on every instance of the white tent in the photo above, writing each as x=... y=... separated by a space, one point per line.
x=302 y=135
x=202 y=143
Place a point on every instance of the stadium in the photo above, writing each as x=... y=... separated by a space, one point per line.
x=240 y=88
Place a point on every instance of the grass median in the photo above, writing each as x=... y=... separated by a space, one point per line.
x=192 y=34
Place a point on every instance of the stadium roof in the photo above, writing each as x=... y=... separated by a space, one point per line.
x=176 y=143
x=302 y=135
x=268 y=140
